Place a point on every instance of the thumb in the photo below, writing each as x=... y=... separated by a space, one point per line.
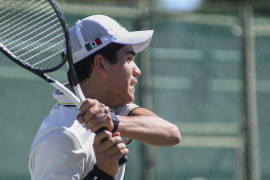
x=116 y=134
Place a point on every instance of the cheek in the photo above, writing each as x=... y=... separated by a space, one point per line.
x=120 y=81
x=120 y=78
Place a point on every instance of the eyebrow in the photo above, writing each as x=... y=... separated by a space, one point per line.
x=131 y=52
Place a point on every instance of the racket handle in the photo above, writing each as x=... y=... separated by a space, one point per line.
x=124 y=158
x=101 y=129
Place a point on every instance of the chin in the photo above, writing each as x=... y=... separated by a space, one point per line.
x=132 y=96
x=124 y=100
x=130 y=99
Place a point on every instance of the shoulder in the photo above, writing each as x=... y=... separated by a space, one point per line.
x=53 y=141
x=57 y=154
x=61 y=129
x=61 y=114
x=142 y=111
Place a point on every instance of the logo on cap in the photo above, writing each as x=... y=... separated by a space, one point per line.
x=93 y=44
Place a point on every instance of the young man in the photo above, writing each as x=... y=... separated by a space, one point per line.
x=66 y=146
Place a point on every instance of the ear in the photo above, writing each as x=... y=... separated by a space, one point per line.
x=99 y=63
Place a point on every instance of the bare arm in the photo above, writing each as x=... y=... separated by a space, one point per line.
x=145 y=126
x=142 y=124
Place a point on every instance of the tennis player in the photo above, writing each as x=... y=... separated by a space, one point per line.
x=65 y=146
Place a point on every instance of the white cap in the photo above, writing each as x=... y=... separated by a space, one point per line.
x=95 y=32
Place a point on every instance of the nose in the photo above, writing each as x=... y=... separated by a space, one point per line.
x=136 y=70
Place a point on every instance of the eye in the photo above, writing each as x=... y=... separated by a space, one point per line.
x=130 y=58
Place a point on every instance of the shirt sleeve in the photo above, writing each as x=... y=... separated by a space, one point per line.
x=58 y=156
x=126 y=109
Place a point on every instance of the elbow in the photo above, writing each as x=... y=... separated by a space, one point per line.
x=175 y=135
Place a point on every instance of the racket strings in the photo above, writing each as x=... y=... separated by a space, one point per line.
x=10 y=18
x=31 y=30
x=44 y=35
x=40 y=35
x=40 y=52
x=44 y=60
x=10 y=8
x=22 y=24
x=23 y=34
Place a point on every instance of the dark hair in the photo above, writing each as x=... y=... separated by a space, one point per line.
x=84 y=67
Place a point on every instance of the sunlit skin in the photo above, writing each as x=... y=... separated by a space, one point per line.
x=122 y=77
x=113 y=84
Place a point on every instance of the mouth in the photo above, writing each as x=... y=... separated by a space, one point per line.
x=133 y=82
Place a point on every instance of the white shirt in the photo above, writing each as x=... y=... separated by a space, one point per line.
x=63 y=148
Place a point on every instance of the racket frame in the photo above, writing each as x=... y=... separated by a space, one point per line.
x=74 y=80
x=77 y=100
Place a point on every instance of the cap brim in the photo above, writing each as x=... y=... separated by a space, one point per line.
x=139 y=40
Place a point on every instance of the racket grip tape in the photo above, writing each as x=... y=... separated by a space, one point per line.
x=124 y=158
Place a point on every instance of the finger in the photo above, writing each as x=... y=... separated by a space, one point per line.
x=90 y=113
x=103 y=120
x=116 y=134
x=106 y=110
x=100 y=122
x=99 y=138
x=91 y=124
x=97 y=109
x=87 y=104
x=80 y=118
x=120 y=153
x=110 y=142
x=116 y=148
x=97 y=122
x=84 y=118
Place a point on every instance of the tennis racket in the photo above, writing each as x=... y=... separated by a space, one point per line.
x=34 y=34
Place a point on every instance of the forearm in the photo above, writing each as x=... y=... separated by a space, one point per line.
x=149 y=129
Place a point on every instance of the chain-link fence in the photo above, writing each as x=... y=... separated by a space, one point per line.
x=198 y=78
x=194 y=75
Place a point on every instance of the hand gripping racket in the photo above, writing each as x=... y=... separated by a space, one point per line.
x=34 y=34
